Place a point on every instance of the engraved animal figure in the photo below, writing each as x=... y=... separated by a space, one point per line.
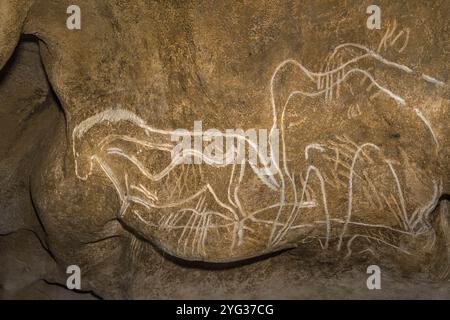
x=193 y=213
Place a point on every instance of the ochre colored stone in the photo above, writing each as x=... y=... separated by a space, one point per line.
x=359 y=172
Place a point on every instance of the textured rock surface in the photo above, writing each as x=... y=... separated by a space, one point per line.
x=363 y=169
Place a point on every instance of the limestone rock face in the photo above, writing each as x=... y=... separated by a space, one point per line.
x=166 y=139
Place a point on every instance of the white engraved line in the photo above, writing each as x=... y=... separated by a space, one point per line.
x=400 y=192
x=313 y=146
x=350 y=191
x=427 y=123
x=433 y=80
x=349 y=243
x=292 y=217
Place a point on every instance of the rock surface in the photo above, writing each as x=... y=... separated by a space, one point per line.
x=358 y=171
